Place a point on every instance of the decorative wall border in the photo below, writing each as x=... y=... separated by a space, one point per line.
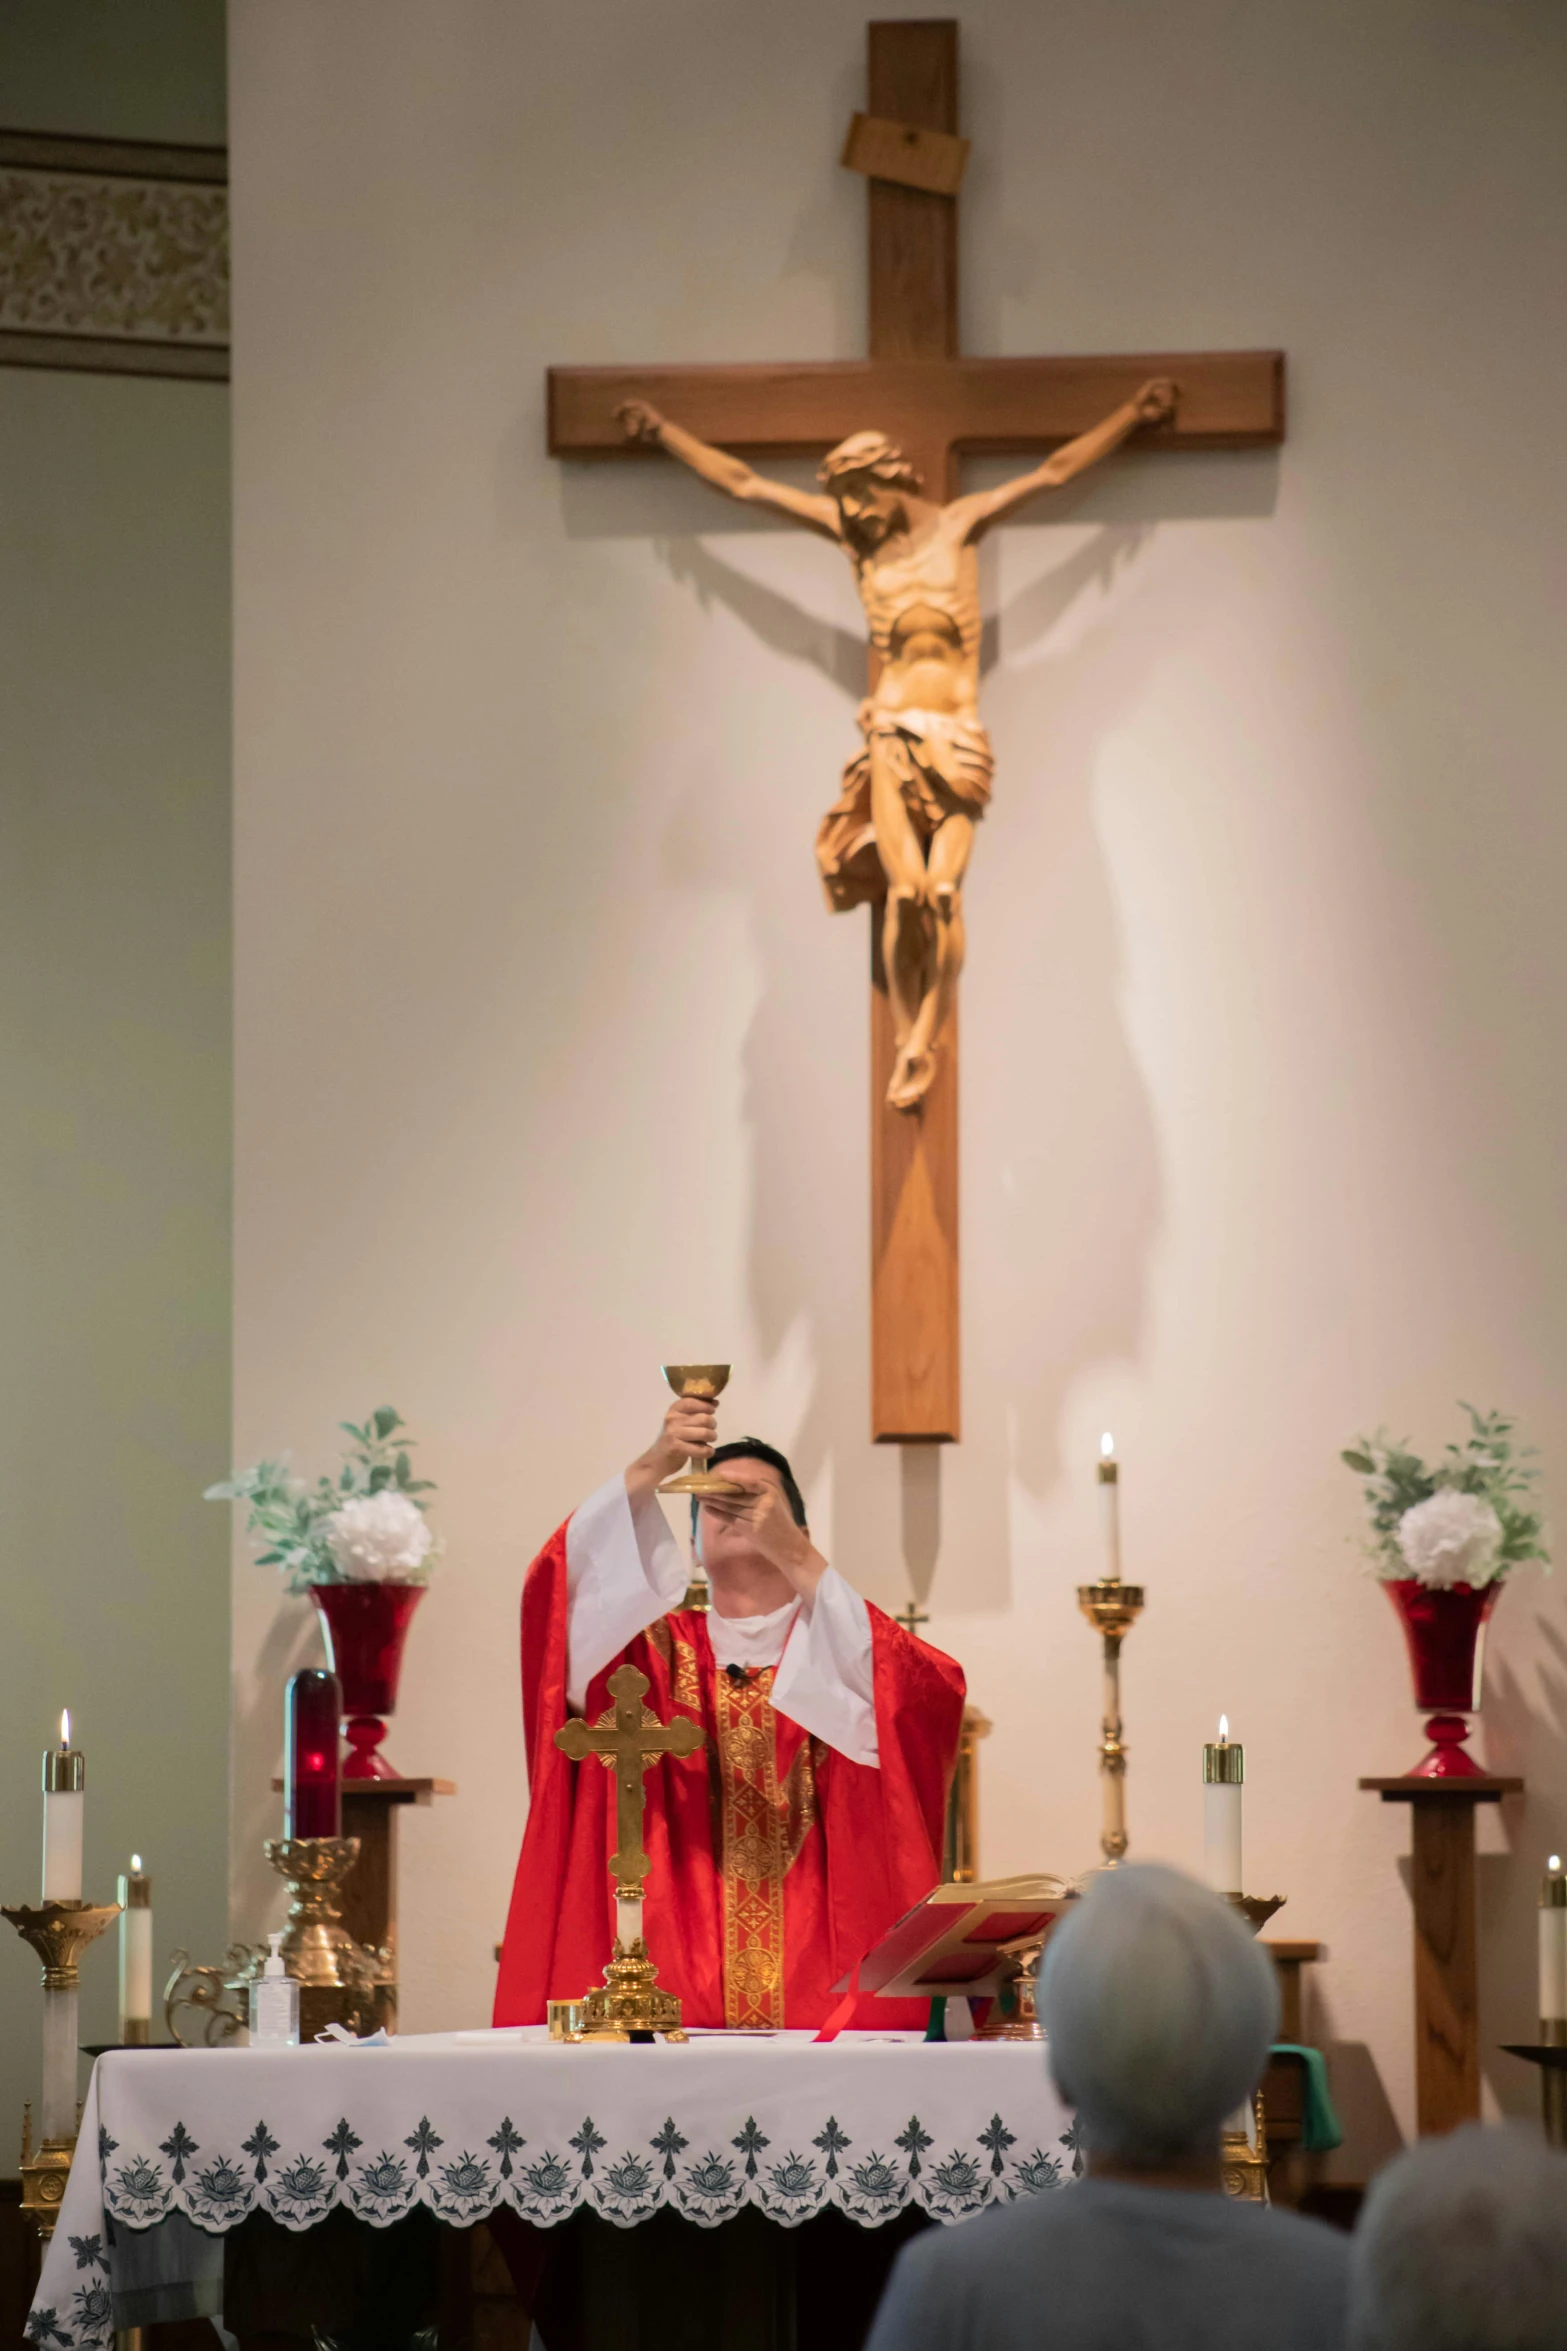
x=113 y=256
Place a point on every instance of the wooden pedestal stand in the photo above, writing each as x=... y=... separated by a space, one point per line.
x=370 y=1810
x=1447 y=2006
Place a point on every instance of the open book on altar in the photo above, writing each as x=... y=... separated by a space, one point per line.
x=964 y=1939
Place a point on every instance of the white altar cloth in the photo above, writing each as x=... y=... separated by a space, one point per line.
x=467 y=2122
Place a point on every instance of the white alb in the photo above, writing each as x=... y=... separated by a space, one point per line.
x=624 y=1571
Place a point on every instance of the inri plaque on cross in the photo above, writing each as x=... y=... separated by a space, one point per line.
x=919 y=399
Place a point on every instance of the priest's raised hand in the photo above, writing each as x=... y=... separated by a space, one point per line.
x=810 y=1821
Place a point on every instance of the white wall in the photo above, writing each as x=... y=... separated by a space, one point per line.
x=551 y=1064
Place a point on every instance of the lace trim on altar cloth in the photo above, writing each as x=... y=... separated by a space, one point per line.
x=218 y=2187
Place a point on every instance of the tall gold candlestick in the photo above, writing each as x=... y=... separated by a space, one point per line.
x=1112 y=1608
x=59 y=1932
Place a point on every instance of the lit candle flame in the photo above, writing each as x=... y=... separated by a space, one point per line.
x=65 y=1726
x=1107 y=1446
x=1224 y=1730
x=136 y=1869
x=1555 y=1861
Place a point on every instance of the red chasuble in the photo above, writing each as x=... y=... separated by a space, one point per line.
x=776 y=1863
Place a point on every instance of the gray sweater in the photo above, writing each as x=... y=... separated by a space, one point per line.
x=1101 y=2266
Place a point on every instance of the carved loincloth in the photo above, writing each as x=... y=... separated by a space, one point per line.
x=943 y=766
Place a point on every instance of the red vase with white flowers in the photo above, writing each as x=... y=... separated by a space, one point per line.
x=1442 y=1541
x=360 y=1544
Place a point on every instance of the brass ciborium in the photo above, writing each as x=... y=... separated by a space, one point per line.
x=336 y=1978
x=707 y=1381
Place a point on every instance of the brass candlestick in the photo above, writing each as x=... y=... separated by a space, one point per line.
x=1243 y=2159
x=59 y=1932
x=1553 y=2080
x=628 y=2005
x=1112 y=1608
x=962 y=1833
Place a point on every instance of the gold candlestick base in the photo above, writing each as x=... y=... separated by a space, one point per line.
x=336 y=1976
x=60 y=1932
x=44 y=2174
x=1244 y=2167
x=629 y=2002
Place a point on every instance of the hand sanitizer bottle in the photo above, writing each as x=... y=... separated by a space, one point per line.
x=274 y=2004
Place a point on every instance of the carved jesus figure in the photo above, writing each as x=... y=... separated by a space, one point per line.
x=903 y=826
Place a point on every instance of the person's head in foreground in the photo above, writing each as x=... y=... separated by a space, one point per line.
x=1159 y=2010
x=1462 y=2246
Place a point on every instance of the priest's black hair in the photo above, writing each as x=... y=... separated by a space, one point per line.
x=755 y=1449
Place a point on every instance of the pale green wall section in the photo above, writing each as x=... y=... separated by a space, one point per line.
x=114 y=1064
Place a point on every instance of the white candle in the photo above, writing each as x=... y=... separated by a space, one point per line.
x=136 y=1954
x=65 y=1777
x=628 y=1921
x=1553 y=1951
x=1223 y=1773
x=1110 y=1503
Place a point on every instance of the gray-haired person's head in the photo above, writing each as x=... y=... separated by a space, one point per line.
x=1462 y=2246
x=1160 y=2010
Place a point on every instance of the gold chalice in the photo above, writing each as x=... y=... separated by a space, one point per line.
x=707 y=1380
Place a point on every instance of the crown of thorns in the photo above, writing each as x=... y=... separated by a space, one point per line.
x=870 y=453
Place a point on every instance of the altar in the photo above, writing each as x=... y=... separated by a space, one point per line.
x=179 y=2147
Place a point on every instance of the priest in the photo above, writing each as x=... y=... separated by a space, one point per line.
x=782 y=1850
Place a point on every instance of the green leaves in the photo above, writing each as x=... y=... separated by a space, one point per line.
x=287 y=1519
x=1487 y=1464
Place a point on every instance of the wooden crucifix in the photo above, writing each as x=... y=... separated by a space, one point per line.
x=631 y=1745
x=896 y=425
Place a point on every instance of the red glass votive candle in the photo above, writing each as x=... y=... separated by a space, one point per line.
x=312 y=1789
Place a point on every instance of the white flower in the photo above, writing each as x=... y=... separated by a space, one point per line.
x=378 y=1539
x=1450 y=1539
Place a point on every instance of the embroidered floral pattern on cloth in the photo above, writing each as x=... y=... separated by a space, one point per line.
x=464 y=2124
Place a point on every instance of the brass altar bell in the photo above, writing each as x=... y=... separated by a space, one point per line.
x=628 y=2006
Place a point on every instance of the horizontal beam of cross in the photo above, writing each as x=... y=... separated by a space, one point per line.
x=1228 y=400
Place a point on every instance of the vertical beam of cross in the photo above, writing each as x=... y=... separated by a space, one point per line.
x=915 y=1365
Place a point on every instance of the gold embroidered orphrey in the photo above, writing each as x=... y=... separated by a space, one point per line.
x=764 y=1826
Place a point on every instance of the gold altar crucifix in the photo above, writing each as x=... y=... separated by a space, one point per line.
x=928 y=405
x=629 y=2004
x=631 y=1746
